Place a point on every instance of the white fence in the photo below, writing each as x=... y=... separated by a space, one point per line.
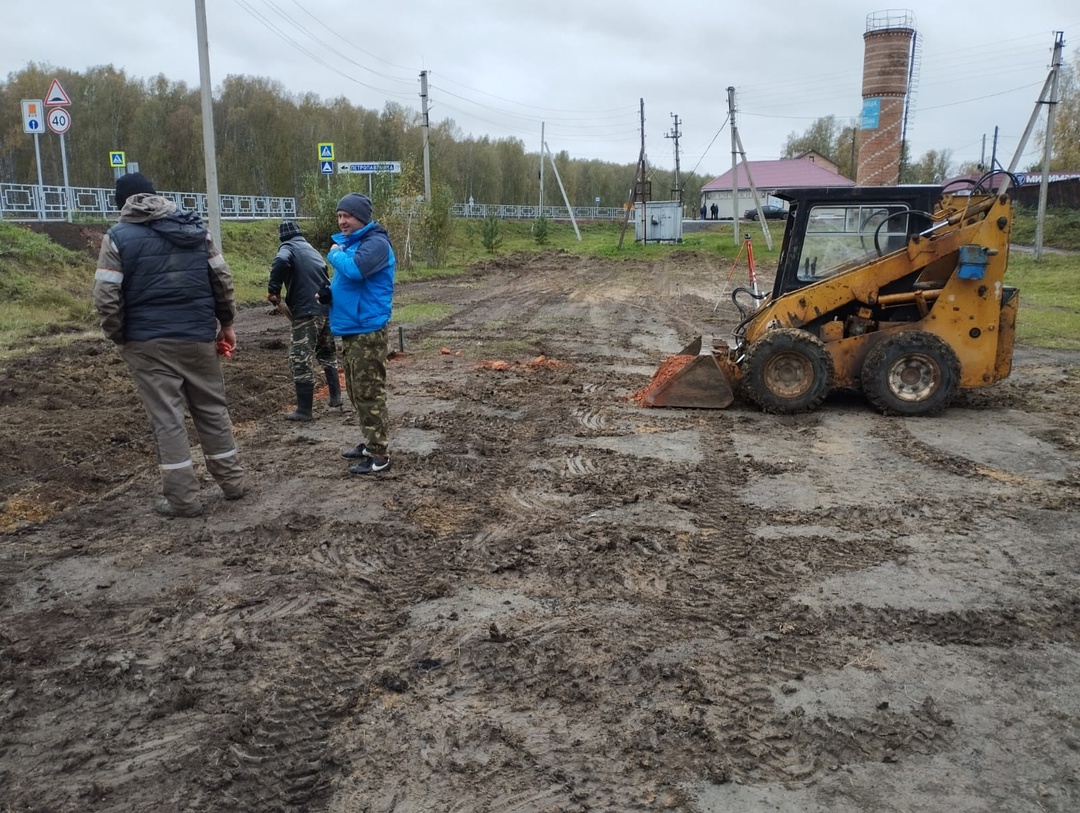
x=33 y=202
x=508 y=212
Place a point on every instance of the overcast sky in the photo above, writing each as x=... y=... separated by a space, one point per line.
x=502 y=68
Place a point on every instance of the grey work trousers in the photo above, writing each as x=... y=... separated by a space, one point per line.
x=171 y=375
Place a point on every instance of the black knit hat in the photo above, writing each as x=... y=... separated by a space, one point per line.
x=134 y=183
x=357 y=205
x=287 y=230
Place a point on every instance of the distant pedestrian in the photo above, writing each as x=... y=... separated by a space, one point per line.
x=361 y=296
x=164 y=295
x=703 y=211
x=715 y=211
x=302 y=270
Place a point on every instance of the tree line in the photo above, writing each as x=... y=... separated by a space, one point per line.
x=266 y=141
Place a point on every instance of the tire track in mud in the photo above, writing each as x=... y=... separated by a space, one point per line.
x=358 y=581
x=537 y=663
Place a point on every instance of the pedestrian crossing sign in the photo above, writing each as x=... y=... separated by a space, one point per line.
x=326 y=151
x=116 y=159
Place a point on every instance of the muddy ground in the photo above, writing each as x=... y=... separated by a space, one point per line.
x=555 y=600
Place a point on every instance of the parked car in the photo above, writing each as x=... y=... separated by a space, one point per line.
x=770 y=212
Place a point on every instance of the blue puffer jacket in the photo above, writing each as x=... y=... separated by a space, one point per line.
x=363 y=282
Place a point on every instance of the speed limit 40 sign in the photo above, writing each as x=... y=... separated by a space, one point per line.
x=59 y=120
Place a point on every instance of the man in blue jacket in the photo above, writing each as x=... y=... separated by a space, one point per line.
x=361 y=297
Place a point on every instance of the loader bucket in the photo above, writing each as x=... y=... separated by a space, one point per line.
x=683 y=380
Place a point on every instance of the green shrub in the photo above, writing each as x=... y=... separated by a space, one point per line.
x=541 y=231
x=489 y=234
x=437 y=226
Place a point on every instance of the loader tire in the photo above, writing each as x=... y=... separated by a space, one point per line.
x=788 y=371
x=911 y=373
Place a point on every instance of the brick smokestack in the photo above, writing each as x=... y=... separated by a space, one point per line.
x=886 y=66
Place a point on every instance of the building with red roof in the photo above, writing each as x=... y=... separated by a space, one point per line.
x=768 y=176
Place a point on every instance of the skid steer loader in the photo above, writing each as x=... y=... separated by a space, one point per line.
x=897 y=292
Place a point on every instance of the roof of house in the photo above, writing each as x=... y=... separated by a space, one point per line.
x=781 y=174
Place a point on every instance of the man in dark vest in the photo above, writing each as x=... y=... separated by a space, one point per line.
x=302 y=270
x=165 y=297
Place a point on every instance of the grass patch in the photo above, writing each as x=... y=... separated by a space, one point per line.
x=44 y=291
x=1061 y=229
x=1049 y=314
x=413 y=313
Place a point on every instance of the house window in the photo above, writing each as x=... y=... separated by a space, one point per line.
x=842 y=237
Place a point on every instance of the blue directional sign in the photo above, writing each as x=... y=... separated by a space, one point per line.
x=369 y=167
x=326 y=167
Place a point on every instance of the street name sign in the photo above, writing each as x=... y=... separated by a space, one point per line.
x=369 y=167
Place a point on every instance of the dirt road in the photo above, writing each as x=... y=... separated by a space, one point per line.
x=555 y=600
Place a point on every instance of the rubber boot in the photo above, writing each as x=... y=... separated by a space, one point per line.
x=305 y=394
x=334 y=385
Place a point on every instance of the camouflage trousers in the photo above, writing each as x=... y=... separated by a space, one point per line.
x=312 y=347
x=364 y=357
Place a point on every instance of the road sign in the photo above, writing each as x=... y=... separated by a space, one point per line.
x=369 y=167
x=59 y=120
x=117 y=160
x=56 y=96
x=33 y=116
x=326 y=167
x=326 y=151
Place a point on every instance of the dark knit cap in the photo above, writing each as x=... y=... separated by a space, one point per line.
x=134 y=183
x=288 y=229
x=357 y=205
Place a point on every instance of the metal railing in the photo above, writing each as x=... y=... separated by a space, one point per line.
x=510 y=212
x=33 y=202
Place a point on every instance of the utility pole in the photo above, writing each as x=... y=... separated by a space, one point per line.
x=542 y=169
x=213 y=203
x=676 y=192
x=641 y=170
x=639 y=179
x=737 y=150
x=427 y=151
x=1055 y=68
x=734 y=163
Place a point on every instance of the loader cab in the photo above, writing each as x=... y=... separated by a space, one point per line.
x=831 y=229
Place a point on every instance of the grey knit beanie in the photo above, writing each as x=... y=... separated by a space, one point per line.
x=357 y=205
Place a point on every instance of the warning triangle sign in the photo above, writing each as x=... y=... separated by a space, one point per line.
x=56 y=95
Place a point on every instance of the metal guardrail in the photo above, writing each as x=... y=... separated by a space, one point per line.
x=33 y=202
x=509 y=212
